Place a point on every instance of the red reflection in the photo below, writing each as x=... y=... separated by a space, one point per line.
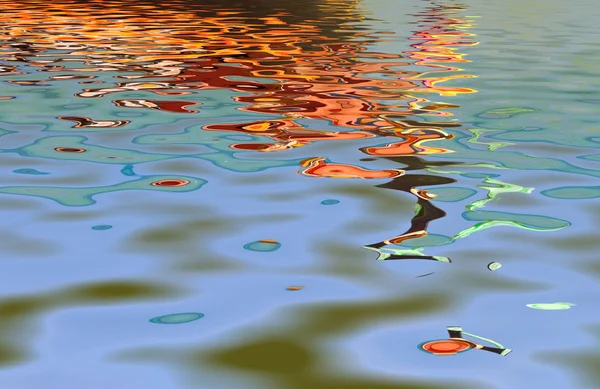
x=69 y=150
x=317 y=167
x=171 y=182
x=411 y=144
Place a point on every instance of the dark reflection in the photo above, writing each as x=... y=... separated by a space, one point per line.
x=82 y=122
x=297 y=355
x=437 y=37
x=583 y=363
x=293 y=366
x=272 y=356
x=18 y=313
x=427 y=211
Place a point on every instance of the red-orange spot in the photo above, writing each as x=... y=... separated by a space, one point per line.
x=69 y=150
x=170 y=183
x=317 y=167
x=447 y=346
x=250 y=146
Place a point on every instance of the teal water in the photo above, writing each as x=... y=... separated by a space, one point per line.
x=162 y=162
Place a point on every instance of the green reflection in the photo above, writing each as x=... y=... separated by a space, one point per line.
x=533 y=222
x=551 y=306
x=495 y=188
x=46 y=148
x=385 y=253
x=507 y=159
x=453 y=194
x=491 y=146
x=77 y=197
x=494 y=266
x=504 y=113
x=573 y=192
x=552 y=136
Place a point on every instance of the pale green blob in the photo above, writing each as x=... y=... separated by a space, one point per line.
x=453 y=194
x=573 y=192
x=551 y=306
x=418 y=208
x=77 y=197
x=494 y=266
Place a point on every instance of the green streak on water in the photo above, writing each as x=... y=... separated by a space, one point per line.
x=551 y=306
x=497 y=187
x=491 y=146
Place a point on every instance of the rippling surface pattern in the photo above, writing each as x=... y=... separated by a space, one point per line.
x=410 y=170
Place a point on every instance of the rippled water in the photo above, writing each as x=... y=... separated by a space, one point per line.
x=299 y=194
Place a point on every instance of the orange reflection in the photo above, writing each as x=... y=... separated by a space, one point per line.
x=286 y=132
x=307 y=64
x=282 y=65
x=411 y=144
x=170 y=183
x=69 y=150
x=318 y=167
x=441 y=32
x=444 y=33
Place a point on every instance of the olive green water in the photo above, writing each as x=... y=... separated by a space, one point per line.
x=298 y=195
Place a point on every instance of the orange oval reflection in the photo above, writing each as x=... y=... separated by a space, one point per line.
x=172 y=182
x=70 y=150
x=317 y=167
x=447 y=346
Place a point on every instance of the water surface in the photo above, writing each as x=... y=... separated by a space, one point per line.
x=373 y=157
